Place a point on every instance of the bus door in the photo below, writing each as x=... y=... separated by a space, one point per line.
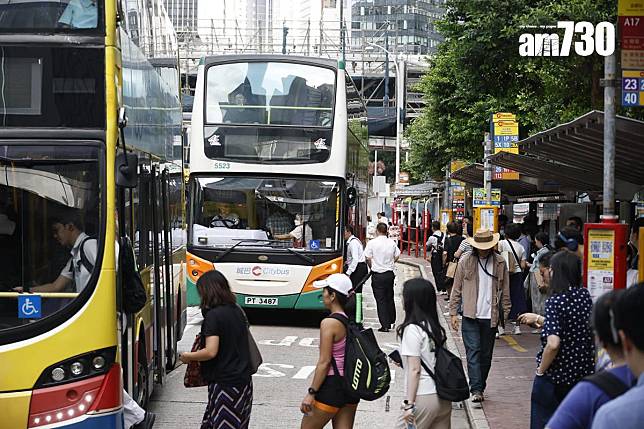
x=159 y=278
x=170 y=287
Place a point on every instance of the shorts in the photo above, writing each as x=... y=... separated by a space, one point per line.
x=333 y=395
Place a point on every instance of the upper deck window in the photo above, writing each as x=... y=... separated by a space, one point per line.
x=270 y=93
x=50 y=16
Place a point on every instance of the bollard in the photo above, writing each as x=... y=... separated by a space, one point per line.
x=359 y=308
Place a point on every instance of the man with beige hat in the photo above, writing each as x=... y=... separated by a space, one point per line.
x=480 y=283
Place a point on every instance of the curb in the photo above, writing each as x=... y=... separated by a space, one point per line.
x=476 y=416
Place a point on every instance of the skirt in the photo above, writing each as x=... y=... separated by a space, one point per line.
x=517 y=296
x=228 y=407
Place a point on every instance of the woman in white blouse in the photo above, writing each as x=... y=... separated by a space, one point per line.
x=419 y=334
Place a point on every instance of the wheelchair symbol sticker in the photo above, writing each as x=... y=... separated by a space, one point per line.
x=29 y=307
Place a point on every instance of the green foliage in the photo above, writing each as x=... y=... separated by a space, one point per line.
x=478 y=71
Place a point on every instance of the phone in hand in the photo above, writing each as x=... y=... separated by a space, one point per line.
x=395 y=356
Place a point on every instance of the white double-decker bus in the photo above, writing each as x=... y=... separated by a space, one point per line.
x=278 y=166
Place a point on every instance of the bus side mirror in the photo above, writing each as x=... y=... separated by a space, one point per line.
x=352 y=196
x=126 y=170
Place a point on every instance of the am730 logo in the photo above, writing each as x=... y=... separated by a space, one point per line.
x=598 y=39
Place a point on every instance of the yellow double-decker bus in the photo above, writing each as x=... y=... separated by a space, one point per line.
x=76 y=94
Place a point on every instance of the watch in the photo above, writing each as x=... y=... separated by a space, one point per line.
x=312 y=391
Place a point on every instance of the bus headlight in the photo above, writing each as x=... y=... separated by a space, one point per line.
x=76 y=368
x=98 y=362
x=58 y=374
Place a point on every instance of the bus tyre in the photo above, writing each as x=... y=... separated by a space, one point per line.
x=142 y=378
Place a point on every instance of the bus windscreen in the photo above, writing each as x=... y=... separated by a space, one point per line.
x=255 y=213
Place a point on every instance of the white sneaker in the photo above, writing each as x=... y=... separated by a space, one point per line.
x=517 y=330
x=500 y=331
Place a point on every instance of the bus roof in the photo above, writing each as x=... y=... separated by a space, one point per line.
x=219 y=59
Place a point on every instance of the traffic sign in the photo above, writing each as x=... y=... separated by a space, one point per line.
x=29 y=306
x=633 y=88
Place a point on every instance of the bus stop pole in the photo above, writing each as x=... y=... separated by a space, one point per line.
x=487 y=168
x=609 y=83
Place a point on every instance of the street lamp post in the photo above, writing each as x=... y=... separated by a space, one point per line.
x=399 y=81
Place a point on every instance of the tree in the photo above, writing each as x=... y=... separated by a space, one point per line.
x=477 y=71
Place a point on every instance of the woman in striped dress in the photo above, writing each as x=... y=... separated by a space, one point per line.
x=225 y=357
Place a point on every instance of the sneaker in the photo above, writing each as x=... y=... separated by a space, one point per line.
x=382 y=329
x=500 y=331
x=517 y=330
x=147 y=422
x=477 y=399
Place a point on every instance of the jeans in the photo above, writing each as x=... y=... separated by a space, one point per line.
x=478 y=338
x=383 y=290
x=543 y=402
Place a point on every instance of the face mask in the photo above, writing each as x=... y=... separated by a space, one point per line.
x=298 y=222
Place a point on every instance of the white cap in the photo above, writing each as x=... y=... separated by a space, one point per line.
x=338 y=282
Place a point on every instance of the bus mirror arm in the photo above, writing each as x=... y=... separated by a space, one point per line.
x=126 y=163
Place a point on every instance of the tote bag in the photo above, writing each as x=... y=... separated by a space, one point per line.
x=193 y=377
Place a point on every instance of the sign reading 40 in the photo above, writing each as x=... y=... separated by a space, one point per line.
x=598 y=39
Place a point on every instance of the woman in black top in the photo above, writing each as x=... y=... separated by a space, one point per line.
x=452 y=243
x=225 y=358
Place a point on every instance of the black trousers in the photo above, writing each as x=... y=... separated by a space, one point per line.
x=359 y=274
x=383 y=290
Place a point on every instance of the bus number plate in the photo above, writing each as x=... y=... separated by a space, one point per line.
x=260 y=300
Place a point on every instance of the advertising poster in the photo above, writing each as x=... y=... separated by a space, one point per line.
x=601 y=262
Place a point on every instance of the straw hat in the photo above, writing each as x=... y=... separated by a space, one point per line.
x=484 y=239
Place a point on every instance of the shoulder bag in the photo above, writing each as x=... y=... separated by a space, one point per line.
x=255 y=357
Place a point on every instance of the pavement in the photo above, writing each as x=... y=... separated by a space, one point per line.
x=509 y=384
x=289 y=345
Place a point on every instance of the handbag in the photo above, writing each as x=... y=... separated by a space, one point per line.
x=193 y=377
x=254 y=355
x=450 y=272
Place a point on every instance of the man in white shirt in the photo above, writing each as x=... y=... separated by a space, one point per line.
x=355 y=264
x=382 y=218
x=382 y=254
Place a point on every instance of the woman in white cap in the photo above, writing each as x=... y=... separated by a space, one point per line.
x=481 y=282
x=327 y=398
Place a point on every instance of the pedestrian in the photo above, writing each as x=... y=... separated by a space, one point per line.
x=482 y=288
x=225 y=357
x=419 y=334
x=327 y=398
x=382 y=218
x=435 y=248
x=632 y=254
x=567 y=354
x=536 y=283
x=576 y=223
x=515 y=257
x=465 y=246
x=626 y=412
x=371 y=229
x=382 y=254
x=580 y=405
x=452 y=244
x=569 y=239
x=356 y=265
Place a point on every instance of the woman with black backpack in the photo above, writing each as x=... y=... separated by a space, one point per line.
x=419 y=334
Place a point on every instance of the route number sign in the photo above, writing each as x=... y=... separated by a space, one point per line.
x=632 y=88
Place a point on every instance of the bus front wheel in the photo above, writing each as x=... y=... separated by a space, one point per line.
x=142 y=378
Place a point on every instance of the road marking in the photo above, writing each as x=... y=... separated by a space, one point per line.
x=270 y=372
x=304 y=372
x=286 y=341
x=309 y=342
x=513 y=343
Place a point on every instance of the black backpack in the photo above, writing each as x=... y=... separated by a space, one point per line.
x=450 y=379
x=610 y=384
x=133 y=296
x=366 y=370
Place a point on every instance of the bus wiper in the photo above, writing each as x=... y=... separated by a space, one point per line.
x=306 y=258
x=220 y=257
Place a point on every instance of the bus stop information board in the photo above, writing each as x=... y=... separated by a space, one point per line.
x=631 y=32
x=601 y=261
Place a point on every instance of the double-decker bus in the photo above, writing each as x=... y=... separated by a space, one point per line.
x=75 y=93
x=278 y=166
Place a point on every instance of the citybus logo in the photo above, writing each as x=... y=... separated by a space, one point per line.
x=598 y=39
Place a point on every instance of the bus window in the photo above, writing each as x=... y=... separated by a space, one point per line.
x=83 y=16
x=48 y=207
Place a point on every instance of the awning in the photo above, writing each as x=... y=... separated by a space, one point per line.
x=425 y=189
x=571 y=155
x=473 y=175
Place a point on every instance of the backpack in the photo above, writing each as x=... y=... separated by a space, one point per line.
x=133 y=295
x=84 y=260
x=366 y=370
x=609 y=383
x=450 y=379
